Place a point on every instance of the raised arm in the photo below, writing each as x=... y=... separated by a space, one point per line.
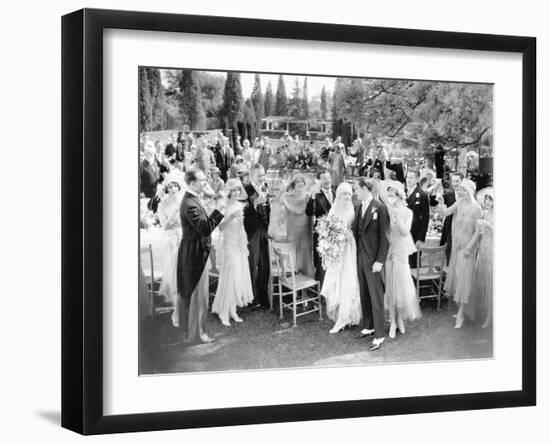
x=200 y=222
x=403 y=224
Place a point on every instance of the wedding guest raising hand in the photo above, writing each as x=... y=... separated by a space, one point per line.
x=234 y=284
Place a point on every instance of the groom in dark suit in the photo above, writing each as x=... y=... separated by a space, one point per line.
x=319 y=205
x=419 y=203
x=192 y=275
x=256 y=222
x=370 y=227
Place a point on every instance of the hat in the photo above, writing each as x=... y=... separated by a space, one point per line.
x=482 y=193
x=397 y=186
x=469 y=185
x=175 y=176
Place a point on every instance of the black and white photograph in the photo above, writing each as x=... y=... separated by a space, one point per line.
x=296 y=221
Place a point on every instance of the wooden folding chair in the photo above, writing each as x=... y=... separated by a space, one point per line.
x=291 y=283
x=429 y=278
x=152 y=279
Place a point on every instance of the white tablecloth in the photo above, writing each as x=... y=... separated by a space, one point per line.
x=432 y=241
x=156 y=238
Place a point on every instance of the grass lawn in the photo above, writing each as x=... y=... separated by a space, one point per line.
x=264 y=341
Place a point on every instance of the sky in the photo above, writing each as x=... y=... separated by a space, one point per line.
x=314 y=84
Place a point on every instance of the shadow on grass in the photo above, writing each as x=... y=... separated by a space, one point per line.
x=264 y=341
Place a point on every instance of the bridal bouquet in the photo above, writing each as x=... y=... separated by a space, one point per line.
x=333 y=236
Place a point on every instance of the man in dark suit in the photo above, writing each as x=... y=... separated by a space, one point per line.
x=171 y=149
x=397 y=167
x=224 y=158
x=149 y=174
x=256 y=221
x=192 y=274
x=450 y=198
x=419 y=203
x=318 y=205
x=162 y=161
x=370 y=227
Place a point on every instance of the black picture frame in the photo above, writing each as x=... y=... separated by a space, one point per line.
x=82 y=220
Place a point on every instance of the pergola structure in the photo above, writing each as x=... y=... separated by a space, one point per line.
x=284 y=124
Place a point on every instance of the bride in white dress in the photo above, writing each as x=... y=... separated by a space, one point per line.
x=234 y=284
x=341 y=284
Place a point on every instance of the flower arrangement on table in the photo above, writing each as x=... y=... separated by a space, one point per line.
x=292 y=158
x=435 y=225
x=333 y=236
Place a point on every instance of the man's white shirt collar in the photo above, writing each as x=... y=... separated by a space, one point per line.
x=193 y=193
x=364 y=205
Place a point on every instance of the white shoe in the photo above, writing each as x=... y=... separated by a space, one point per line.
x=401 y=326
x=225 y=321
x=236 y=318
x=392 y=331
x=336 y=328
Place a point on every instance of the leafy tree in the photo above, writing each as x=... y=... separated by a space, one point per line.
x=324 y=105
x=191 y=100
x=232 y=103
x=257 y=102
x=281 y=100
x=453 y=115
x=211 y=86
x=305 y=100
x=145 y=103
x=269 y=108
x=295 y=102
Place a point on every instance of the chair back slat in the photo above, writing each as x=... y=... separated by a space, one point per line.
x=433 y=259
x=285 y=257
x=146 y=260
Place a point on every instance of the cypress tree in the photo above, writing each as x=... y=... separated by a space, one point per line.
x=191 y=101
x=268 y=101
x=158 y=116
x=295 y=102
x=305 y=101
x=257 y=102
x=281 y=100
x=249 y=121
x=145 y=105
x=324 y=106
x=233 y=102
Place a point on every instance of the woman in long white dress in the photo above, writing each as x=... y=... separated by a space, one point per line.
x=341 y=284
x=234 y=283
x=460 y=275
x=400 y=296
x=169 y=216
